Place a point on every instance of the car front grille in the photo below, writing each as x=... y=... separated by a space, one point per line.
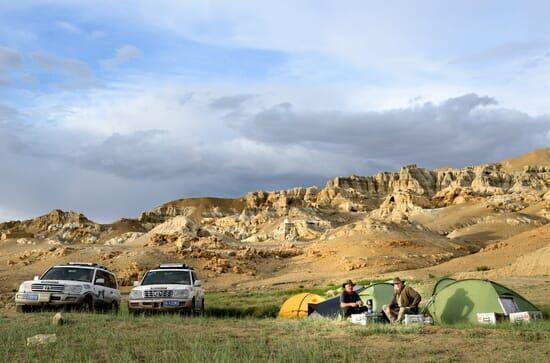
x=155 y=293
x=47 y=288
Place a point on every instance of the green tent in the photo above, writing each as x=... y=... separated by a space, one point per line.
x=380 y=294
x=460 y=301
x=441 y=283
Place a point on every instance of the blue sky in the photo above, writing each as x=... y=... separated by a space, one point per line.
x=111 y=109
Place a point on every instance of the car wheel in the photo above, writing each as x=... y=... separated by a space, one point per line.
x=114 y=307
x=23 y=308
x=134 y=312
x=192 y=311
x=201 y=312
x=87 y=304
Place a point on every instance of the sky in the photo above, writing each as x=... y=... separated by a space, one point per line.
x=113 y=108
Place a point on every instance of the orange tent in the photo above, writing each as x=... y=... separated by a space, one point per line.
x=296 y=306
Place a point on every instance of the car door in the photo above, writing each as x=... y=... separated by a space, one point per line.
x=114 y=292
x=199 y=291
x=102 y=291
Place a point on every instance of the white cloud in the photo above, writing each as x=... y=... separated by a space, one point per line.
x=122 y=55
x=69 y=27
x=9 y=58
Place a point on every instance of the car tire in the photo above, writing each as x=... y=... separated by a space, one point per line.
x=23 y=308
x=114 y=307
x=191 y=312
x=134 y=312
x=201 y=312
x=87 y=304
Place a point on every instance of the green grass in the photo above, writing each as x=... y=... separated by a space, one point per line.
x=239 y=327
x=257 y=304
x=168 y=338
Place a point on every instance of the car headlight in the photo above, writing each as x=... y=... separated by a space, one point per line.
x=136 y=294
x=76 y=289
x=181 y=293
x=25 y=286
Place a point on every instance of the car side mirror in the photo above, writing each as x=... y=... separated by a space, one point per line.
x=198 y=283
x=100 y=282
x=136 y=283
x=36 y=278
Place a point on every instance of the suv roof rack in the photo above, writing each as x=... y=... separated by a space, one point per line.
x=175 y=266
x=90 y=264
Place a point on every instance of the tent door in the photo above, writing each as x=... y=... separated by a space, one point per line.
x=508 y=304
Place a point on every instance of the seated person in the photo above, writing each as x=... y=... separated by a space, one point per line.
x=405 y=301
x=350 y=302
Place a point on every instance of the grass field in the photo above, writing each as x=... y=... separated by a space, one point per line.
x=168 y=338
x=240 y=327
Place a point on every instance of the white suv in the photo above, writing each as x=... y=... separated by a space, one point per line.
x=87 y=286
x=171 y=287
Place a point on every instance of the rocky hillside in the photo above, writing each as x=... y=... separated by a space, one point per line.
x=391 y=221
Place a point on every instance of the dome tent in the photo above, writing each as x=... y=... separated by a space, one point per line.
x=330 y=307
x=297 y=306
x=380 y=294
x=460 y=301
x=441 y=283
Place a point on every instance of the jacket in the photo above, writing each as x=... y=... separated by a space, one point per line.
x=408 y=298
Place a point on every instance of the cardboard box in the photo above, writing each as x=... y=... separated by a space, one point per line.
x=525 y=316
x=490 y=318
x=413 y=319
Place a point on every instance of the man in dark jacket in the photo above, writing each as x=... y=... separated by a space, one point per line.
x=405 y=301
x=350 y=302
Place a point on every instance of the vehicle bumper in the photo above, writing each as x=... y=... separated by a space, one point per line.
x=47 y=298
x=139 y=305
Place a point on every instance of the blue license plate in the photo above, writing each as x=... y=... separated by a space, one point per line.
x=33 y=297
x=171 y=303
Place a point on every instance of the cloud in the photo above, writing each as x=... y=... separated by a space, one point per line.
x=69 y=27
x=76 y=30
x=71 y=67
x=458 y=131
x=504 y=52
x=122 y=55
x=9 y=58
x=230 y=103
x=75 y=73
x=125 y=166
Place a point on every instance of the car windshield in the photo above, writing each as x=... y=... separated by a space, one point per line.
x=69 y=273
x=167 y=277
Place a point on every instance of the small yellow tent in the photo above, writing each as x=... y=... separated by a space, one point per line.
x=296 y=306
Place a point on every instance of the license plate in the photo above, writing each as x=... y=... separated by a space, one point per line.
x=44 y=297
x=171 y=303
x=33 y=297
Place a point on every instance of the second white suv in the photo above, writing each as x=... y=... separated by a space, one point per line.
x=171 y=287
x=88 y=286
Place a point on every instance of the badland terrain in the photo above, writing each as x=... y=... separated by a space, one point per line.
x=489 y=220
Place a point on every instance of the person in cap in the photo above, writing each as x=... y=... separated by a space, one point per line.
x=350 y=302
x=405 y=301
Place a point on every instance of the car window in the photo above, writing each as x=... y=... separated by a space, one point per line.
x=111 y=279
x=101 y=275
x=194 y=276
x=167 y=277
x=69 y=273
